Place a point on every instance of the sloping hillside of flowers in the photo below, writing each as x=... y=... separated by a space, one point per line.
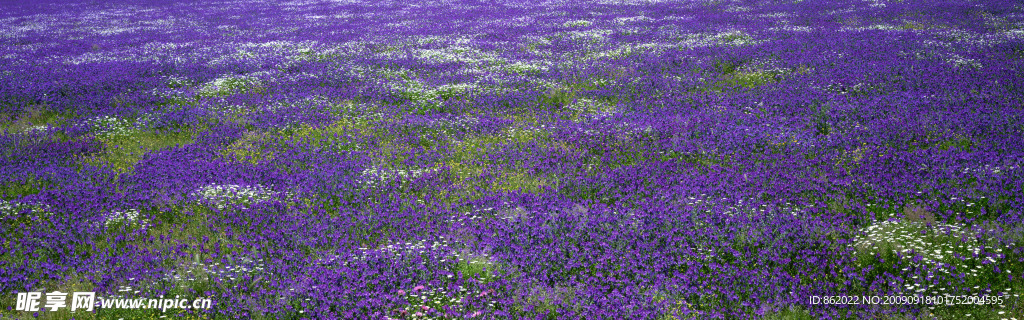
x=576 y=159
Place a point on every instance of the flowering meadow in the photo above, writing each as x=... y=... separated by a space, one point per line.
x=562 y=159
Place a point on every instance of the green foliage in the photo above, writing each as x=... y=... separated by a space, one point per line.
x=749 y=79
x=726 y=67
x=13 y=189
x=32 y=116
x=122 y=152
x=793 y=313
x=249 y=148
x=231 y=85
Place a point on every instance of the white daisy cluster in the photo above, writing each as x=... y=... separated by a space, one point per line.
x=626 y=20
x=460 y=123
x=589 y=109
x=457 y=53
x=933 y=283
x=202 y=271
x=776 y=15
x=927 y=53
x=880 y=26
x=176 y=81
x=764 y=65
x=126 y=218
x=424 y=302
x=956 y=36
x=125 y=291
x=171 y=94
x=37 y=129
x=590 y=35
x=227 y=84
x=97 y=57
x=420 y=94
x=373 y=177
x=631 y=49
x=725 y=38
x=110 y=126
x=991 y=169
x=706 y=202
x=704 y=205
x=1015 y=33
x=394 y=250
x=960 y=62
x=939 y=244
x=479 y=214
x=792 y=28
x=850 y=89
x=221 y=196
x=198 y=271
x=9 y=208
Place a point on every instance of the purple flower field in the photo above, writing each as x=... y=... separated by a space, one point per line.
x=573 y=159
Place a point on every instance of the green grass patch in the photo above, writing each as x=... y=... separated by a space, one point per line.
x=122 y=151
x=255 y=147
x=675 y=306
x=750 y=79
x=524 y=68
x=732 y=78
x=431 y=100
x=794 y=313
x=468 y=165
x=958 y=141
x=226 y=86
x=32 y=184
x=249 y=148
x=73 y=282
x=33 y=116
x=912 y=25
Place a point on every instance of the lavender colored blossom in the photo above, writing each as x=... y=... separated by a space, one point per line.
x=582 y=159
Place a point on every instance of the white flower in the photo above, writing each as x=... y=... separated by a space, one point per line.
x=222 y=195
x=8 y=208
x=374 y=176
x=111 y=126
x=227 y=85
x=128 y=217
